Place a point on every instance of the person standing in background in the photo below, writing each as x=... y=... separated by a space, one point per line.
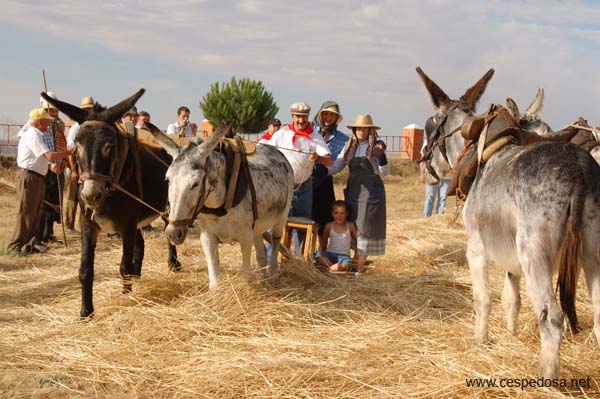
x=326 y=124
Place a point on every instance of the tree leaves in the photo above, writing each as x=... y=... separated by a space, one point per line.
x=245 y=103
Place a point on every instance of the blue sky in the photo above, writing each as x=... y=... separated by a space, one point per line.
x=362 y=54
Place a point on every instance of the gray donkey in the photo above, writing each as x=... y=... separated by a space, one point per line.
x=532 y=210
x=198 y=184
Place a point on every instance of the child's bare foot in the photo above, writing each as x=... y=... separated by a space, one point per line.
x=338 y=267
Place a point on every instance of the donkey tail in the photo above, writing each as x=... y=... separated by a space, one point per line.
x=567 y=258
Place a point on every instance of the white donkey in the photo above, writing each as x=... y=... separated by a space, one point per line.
x=197 y=189
x=531 y=210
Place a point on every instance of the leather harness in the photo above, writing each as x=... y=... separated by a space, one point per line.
x=234 y=150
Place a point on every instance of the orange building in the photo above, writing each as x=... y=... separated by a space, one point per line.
x=412 y=141
x=206 y=129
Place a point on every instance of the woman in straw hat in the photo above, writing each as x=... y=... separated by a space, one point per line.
x=326 y=123
x=364 y=192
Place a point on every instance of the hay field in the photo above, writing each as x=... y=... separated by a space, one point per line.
x=403 y=330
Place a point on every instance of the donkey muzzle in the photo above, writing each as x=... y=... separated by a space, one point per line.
x=176 y=234
x=93 y=193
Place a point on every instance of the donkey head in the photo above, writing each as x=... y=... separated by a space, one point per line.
x=530 y=120
x=449 y=116
x=96 y=143
x=193 y=176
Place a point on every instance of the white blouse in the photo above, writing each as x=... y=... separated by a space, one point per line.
x=361 y=151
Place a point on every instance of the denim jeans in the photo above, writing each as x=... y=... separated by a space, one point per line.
x=440 y=191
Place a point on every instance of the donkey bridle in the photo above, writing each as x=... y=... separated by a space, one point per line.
x=438 y=138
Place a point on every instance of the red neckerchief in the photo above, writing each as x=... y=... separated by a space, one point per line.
x=304 y=133
x=266 y=136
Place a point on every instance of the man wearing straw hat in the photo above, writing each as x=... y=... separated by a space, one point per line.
x=326 y=124
x=32 y=159
x=302 y=147
x=87 y=103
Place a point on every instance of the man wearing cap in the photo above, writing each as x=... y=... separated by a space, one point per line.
x=32 y=159
x=302 y=147
x=54 y=137
x=87 y=103
x=274 y=126
x=183 y=127
x=130 y=116
x=143 y=118
x=326 y=124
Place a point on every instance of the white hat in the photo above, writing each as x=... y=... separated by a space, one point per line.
x=46 y=104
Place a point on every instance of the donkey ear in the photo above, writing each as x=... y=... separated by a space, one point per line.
x=115 y=112
x=77 y=114
x=211 y=142
x=583 y=122
x=512 y=108
x=473 y=94
x=438 y=98
x=536 y=105
x=172 y=148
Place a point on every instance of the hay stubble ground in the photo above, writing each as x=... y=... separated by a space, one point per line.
x=404 y=329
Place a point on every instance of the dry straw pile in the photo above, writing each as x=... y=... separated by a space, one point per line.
x=404 y=329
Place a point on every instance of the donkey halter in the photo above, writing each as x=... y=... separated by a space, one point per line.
x=109 y=178
x=438 y=137
x=198 y=207
x=117 y=163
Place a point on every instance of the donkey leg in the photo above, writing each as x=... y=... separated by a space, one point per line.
x=127 y=269
x=261 y=256
x=246 y=246
x=173 y=262
x=138 y=253
x=210 y=247
x=276 y=234
x=591 y=266
x=538 y=282
x=478 y=264
x=89 y=238
x=511 y=298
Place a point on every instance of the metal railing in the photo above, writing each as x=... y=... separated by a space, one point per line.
x=8 y=138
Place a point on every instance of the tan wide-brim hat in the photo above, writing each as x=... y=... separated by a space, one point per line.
x=87 y=102
x=363 y=121
x=334 y=109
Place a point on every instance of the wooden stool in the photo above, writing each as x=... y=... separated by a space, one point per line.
x=312 y=233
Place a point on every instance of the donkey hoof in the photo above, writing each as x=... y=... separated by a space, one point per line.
x=86 y=314
x=127 y=289
x=175 y=266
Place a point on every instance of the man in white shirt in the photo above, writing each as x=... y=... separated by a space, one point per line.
x=183 y=127
x=32 y=159
x=302 y=147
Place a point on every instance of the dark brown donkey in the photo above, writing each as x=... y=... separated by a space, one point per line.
x=110 y=163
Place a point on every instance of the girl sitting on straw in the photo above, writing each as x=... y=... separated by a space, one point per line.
x=336 y=239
